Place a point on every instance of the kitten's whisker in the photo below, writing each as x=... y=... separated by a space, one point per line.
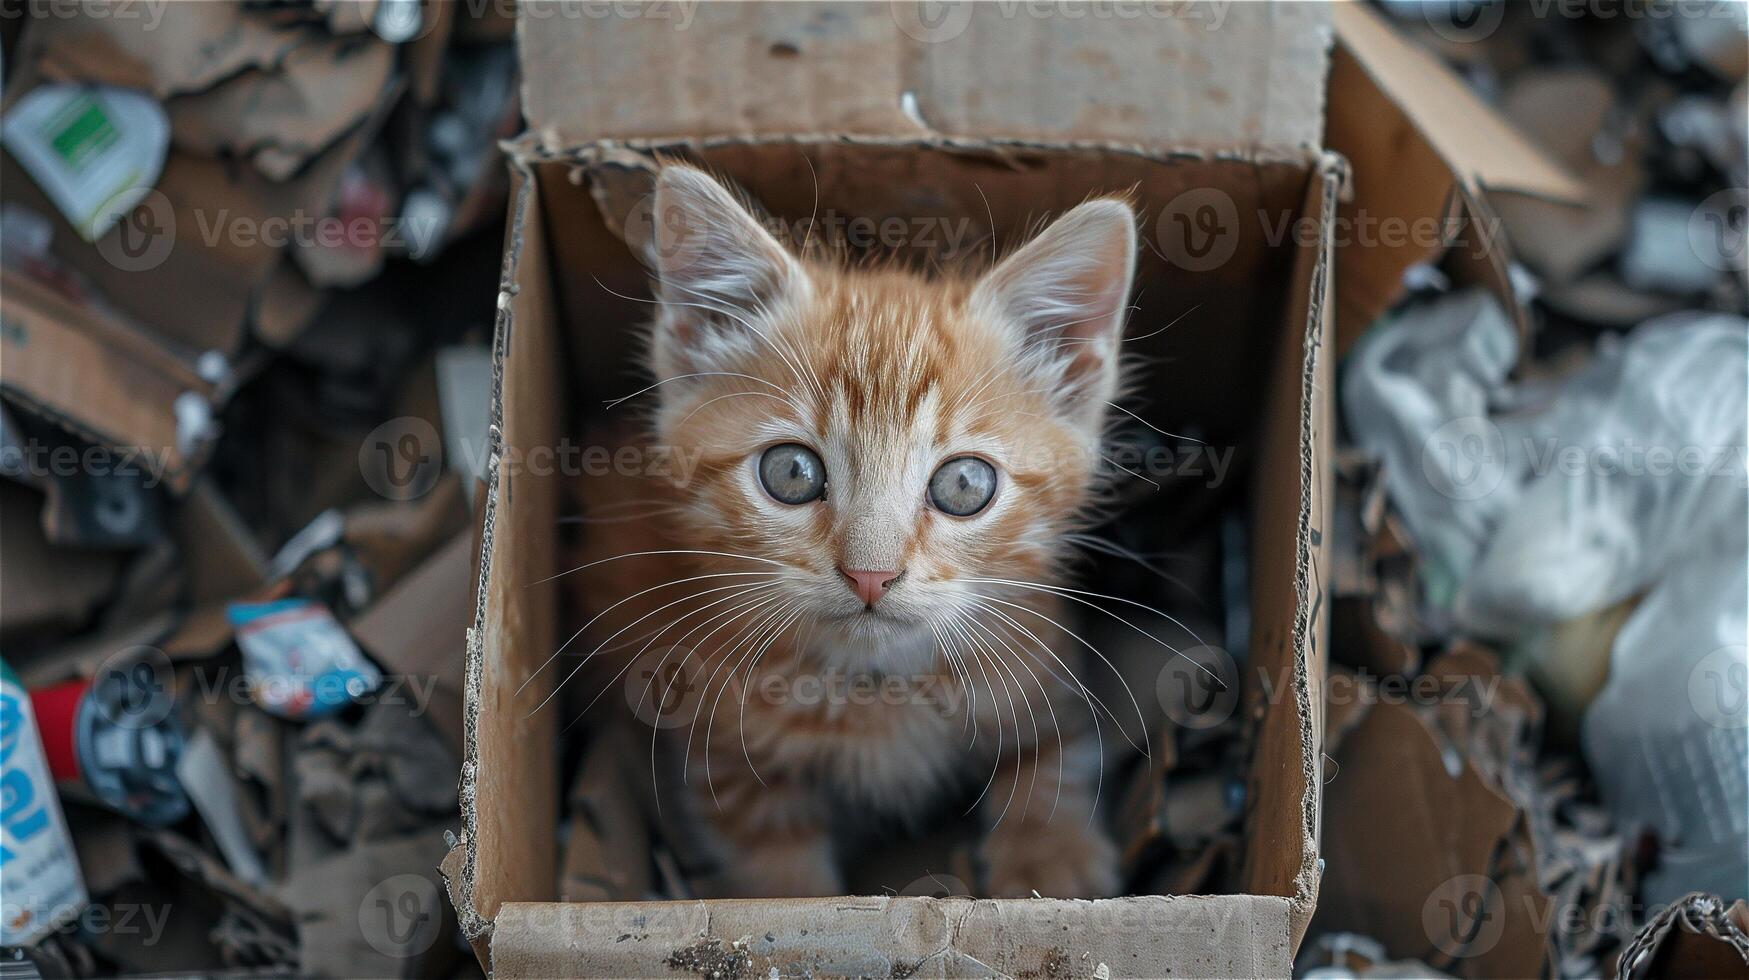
x=1131 y=472
x=1095 y=704
x=1032 y=717
x=1169 y=326
x=746 y=687
x=759 y=635
x=795 y=363
x=1072 y=594
x=1136 y=705
x=1156 y=428
x=711 y=401
x=1116 y=550
x=645 y=554
x=754 y=608
x=612 y=403
x=580 y=664
x=604 y=518
x=592 y=621
x=1056 y=725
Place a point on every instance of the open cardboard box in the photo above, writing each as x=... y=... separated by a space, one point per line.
x=992 y=115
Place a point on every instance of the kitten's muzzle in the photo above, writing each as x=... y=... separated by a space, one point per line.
x=869 y=586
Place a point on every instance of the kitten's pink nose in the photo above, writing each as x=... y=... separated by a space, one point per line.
x=869 y=586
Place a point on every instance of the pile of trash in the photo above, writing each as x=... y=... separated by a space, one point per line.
x=249 y=254
x=1550 y=531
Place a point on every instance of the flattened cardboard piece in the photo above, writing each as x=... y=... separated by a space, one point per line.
x=418 y=630
x=282 y=117
x=168 y=49
x=103 y=381
x=1418 y=843
x=1423 y=149
x=223 y=558
x=1482 y=149
x=47 y=588
x=210 y=229
x=1244 y=79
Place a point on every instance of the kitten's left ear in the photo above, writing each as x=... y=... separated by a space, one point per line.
x=1064 y=294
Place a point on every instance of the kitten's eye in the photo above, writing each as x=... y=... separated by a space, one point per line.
x=792 y=474
x=962 y=486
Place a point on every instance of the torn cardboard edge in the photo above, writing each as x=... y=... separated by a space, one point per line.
x=1695 y=936
x=1401 y=116
x=105 y=382
x=462 y=865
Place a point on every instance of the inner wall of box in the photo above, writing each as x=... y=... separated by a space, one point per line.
x=1236 y=334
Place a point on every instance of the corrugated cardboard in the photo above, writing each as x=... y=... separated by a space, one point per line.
x=1423 y=149
x=999 y=153
x=99 y=378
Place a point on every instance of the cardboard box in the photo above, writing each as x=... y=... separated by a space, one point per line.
x=997 y=115
x=1425 y=153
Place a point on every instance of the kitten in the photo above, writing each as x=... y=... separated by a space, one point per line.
x=885 y=465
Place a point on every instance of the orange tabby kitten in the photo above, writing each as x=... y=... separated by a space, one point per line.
x=883 y=466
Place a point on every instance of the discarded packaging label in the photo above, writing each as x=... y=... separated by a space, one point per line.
x=96 y=151
x=299 y=661
x=41 y=871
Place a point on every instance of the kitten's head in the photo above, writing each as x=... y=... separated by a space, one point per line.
x=886 y=443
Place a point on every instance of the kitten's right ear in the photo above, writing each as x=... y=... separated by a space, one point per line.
x=716 y=270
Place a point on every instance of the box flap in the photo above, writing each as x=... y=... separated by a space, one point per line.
x=1480 y=146
x=103 y=381
x=1244 y=79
